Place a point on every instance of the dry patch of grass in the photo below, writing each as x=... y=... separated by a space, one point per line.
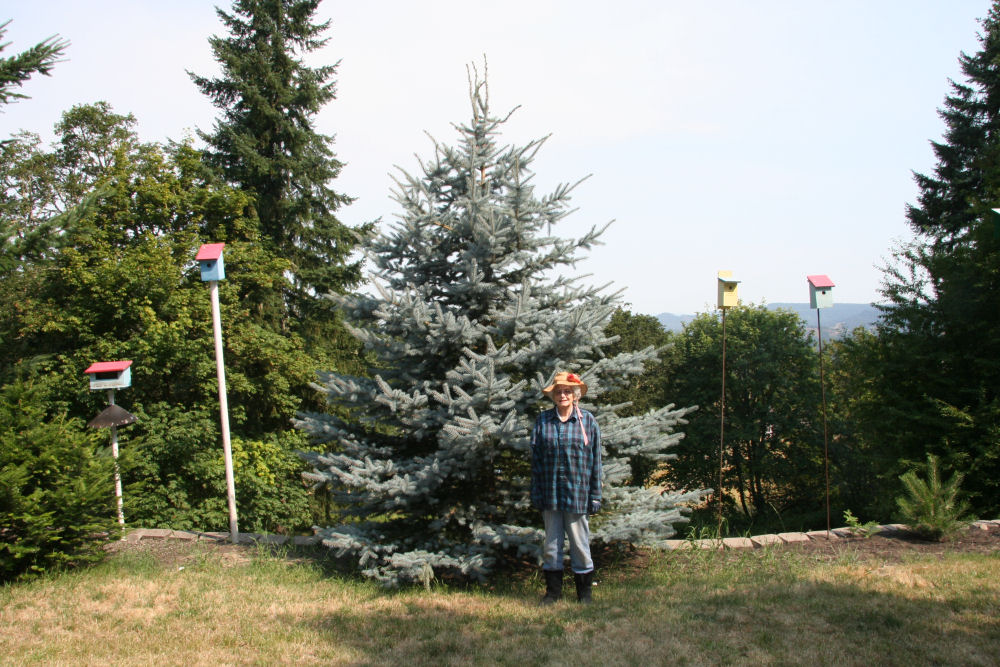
x=759 y=607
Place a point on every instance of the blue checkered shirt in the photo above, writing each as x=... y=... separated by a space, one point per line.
x=565 y=473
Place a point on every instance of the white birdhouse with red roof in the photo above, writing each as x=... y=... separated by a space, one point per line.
x=109 y=375
x=820 y=291
x=210 y=260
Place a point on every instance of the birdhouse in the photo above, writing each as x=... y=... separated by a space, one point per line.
x=109 y=375
x=820 y=291
x=727 y=290
x=210 y=260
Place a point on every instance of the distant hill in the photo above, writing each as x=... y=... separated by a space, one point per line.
x=837 y=320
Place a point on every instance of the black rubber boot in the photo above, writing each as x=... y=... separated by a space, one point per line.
x=553 y=586
x=583 y=583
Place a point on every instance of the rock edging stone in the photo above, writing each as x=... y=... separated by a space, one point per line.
x=758 y=542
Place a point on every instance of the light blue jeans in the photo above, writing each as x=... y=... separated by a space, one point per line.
x=577 y=527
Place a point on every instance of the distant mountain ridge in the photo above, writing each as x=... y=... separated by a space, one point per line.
x=839 y=319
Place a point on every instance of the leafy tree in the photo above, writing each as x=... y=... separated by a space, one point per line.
x=772 y=453
x=939 y=356
x=123 y=286
x=635 y=332
x=861 y=462
x=15 y=70
x=644 y=392
x=473 y=317
x=56 y=491
x=265 y=143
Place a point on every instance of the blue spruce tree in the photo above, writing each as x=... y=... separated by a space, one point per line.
x=473 y=317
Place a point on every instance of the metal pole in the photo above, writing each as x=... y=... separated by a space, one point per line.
x=722 y=418
x=234 y=533
x=826 y=446
x=118 y=476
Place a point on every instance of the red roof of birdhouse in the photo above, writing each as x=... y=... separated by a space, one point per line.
x=210 y=251
x=820 y=281
x=107 y=366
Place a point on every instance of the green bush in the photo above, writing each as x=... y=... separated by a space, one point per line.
x=931 y=507
x=57 y=501
x=270 y=493
x=174 y=470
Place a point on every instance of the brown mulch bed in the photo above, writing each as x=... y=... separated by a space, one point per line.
x=896 y=546
x=887 y=547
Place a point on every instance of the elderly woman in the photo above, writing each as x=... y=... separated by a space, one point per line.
x=566 y=483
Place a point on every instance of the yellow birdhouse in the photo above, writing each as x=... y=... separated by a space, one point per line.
x=727 y=290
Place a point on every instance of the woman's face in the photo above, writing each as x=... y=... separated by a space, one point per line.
x=563 y=396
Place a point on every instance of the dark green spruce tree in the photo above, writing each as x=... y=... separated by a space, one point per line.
x=939 y=353
x=265 y=143
x=475 y=311
x=17 y=69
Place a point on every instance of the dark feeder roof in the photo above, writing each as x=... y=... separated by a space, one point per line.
x=112 y=415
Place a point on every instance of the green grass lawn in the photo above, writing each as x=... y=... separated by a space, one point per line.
x=770 y=606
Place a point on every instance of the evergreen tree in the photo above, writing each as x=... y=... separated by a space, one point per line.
x=56 y=489
x=17 y=69
x=939 y=377
x=265 y=143
x=473 y=317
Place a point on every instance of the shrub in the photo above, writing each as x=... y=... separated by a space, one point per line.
x=57 y=501
x=931 y=507
x=864 y=530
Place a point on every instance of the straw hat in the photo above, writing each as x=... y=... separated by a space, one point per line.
x=566 y=379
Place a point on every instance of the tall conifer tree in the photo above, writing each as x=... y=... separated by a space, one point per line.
x=939 y=354
x=475 y=313
x=17 y=69
x=266 y=143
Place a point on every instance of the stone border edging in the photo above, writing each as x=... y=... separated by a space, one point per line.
x=140 y=534
x=761 y=541
x=758 y=542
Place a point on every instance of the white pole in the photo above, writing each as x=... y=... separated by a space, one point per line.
x=234 y=533
x=118 y=476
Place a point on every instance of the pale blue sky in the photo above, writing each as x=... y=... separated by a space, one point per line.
x=773 y=138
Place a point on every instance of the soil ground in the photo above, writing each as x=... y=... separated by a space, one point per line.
x=896 y=546
x=887 y=547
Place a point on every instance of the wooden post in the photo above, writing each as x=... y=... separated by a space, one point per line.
x=118 y=476
x=227 y=448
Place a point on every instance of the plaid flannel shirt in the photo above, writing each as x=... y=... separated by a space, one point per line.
x=565 y=473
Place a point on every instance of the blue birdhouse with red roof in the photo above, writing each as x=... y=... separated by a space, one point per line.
x=820 y=291
x=109 y=375
x=210 y=261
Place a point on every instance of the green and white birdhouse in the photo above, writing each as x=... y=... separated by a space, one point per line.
x=109 y=375
x=820 y=291
x=727 y=290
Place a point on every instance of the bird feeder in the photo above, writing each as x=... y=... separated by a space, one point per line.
x=210 y=261
x=727 y=290
x=109 y=375
x=820 y=291
x=112 y=416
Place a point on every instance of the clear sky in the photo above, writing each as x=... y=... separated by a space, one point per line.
x=774 y=138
